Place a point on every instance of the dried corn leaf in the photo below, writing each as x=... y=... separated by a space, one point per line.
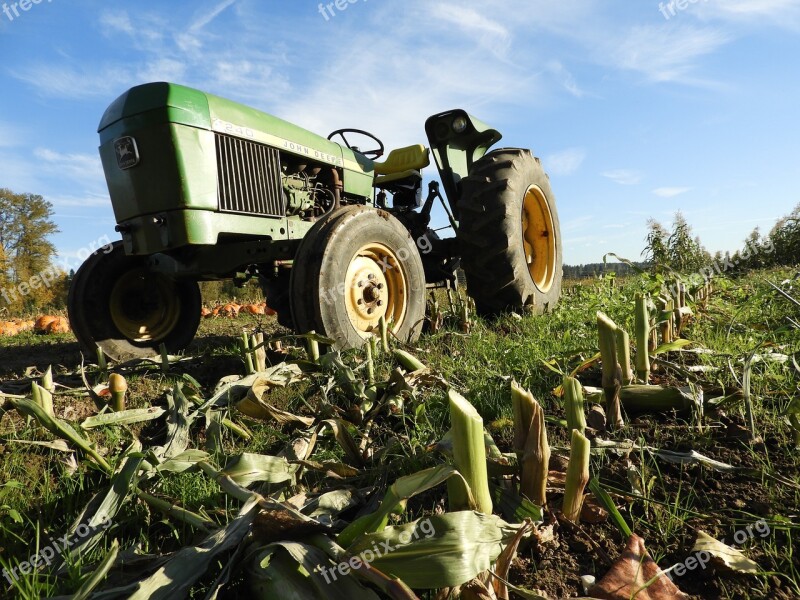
x=732 y=558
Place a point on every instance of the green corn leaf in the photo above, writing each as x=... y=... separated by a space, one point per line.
x=125 y=417
x=247 y=469
x=60 y=429
x=394 y=501
x=439 y=551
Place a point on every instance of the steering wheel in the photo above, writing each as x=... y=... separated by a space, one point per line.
x=371 y=154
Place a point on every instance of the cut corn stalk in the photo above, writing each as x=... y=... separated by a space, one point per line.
x=577 y=476
x=313 y=348
x=655 y=398
x=408 y=361
x=43 y=398
x=47 y=380
x=574 y=405
x=370 y=364
x=642 y=326
x=259 y=352
x=384 y=328
x=164 y=359
x=172 y=510
x=530 y=442
x=624 y=355
x=118 y=388
x=101 y=360
x=248 y=357
x=469 y=455
x=612 y=372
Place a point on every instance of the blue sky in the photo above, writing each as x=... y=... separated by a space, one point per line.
x=634 y=115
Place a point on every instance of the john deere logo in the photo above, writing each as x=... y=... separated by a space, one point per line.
x=127 y=152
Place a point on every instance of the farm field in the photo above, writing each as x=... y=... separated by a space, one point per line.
x=165 y=501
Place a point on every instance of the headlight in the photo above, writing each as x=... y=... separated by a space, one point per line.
x=460 y=124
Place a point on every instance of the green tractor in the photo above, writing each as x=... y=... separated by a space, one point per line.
x=207 y=189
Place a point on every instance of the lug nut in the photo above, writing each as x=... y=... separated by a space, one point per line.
x=380 y=302
x=370 y=311
x=371 y=276
x=360 y=284
x=380 y=286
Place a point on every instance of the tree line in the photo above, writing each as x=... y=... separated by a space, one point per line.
x=27 y=280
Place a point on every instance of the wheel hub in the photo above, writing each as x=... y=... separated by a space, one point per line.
x=143 y=306
x=539 y=238
x=375 y=287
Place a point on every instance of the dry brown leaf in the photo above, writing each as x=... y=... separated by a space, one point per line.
x=592 y=512
x=636 y=576
x=505 y=559
x=556 y=479
x=477 y=590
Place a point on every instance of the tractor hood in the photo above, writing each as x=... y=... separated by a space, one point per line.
x=156 y=104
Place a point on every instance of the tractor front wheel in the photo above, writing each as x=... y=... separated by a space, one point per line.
x=509 y=234
x=352 y=268
x=119 y=305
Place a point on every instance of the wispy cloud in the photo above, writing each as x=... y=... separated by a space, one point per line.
x=565 y=78
x=190 y=40
x=565 y=162
x=670 y=192
x=624 y=176
x=665 y=53
x=782 y=13
x=82 y=168
x=491 y=33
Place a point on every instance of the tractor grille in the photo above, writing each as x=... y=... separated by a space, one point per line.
x=249 y=178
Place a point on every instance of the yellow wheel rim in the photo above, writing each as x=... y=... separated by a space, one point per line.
x=539 y=238
x=375 y=286
x=144 y=306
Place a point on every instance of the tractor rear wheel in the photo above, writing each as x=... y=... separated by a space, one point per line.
x=509 y=234
x=119 y=305
x=352 y=268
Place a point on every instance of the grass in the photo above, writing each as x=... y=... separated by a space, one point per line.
x=43 y=492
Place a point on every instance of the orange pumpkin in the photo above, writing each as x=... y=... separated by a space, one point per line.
x=231 y=310
x=60 y=325
x=42 y=322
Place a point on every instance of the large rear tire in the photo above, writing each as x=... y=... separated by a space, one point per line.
x=509 y=234
x=352 y=268
x=117 y=304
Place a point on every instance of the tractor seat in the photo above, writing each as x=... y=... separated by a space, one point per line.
x=402 y=164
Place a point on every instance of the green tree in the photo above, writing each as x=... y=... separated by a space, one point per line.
x=25 y=248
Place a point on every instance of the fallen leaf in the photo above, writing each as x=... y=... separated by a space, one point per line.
x=592 y=512
x=731 y=557
x=635 y=576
